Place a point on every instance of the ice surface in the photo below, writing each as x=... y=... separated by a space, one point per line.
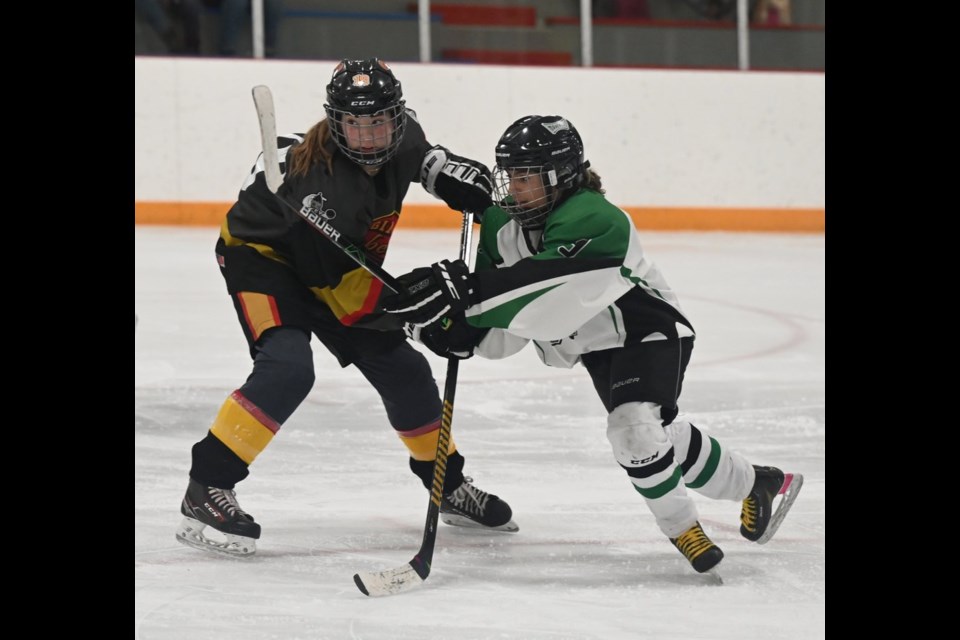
x=334 y=495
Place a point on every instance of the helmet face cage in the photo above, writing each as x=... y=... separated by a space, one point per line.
x=368 y=140
x=527 y=194
x=539 y=162
x=365 y=111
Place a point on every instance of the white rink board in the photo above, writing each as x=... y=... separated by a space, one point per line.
x=658 y=138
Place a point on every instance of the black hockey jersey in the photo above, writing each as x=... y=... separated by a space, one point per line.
x=363 y=209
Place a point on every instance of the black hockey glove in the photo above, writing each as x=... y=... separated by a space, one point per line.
x=464 y=184
x=430 y=293
x=448 y=338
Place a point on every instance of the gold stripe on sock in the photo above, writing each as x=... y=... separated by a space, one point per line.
x=240 y=430
x=423 y=445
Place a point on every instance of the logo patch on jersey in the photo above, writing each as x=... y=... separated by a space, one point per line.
x=559 y=125
x=378 y=235
x=361 y=80
x=568 y=251
x=313 y=209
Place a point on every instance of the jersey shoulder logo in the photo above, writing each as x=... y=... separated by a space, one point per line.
x=568 y=251
x=313 y=207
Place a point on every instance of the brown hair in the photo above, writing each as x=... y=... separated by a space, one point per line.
x=591 y=180
x=314 y=149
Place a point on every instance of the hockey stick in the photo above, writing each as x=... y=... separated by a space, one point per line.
x=266 y=115
x=413 y=574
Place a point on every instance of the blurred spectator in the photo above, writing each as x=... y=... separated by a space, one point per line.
x=235 y=14
x=716 y=9
x=177 y=22
x=772 y=12
x=620 y=9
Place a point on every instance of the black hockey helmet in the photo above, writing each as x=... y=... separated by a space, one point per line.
x=366 y=89
x=547 y=146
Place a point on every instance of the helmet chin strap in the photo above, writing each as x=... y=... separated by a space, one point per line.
x=557 y=195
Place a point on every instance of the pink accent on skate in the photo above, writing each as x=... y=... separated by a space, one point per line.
x=787 y=479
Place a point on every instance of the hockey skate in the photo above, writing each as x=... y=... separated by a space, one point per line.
x=698 y=549
x=469 y=506
x=218 y=508
x=758 y=519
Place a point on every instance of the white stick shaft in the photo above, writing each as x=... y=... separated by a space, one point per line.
x=263 y=100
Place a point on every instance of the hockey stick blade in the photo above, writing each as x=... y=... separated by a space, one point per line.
x=790 y=489
x=266 y=116
x=392 y=581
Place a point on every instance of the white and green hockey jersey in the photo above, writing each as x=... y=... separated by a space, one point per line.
x=585 y=286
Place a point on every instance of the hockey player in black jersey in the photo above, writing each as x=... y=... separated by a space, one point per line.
x=560 y=266
x=350 y=171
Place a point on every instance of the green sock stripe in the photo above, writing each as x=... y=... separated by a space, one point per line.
x=710 y=467
x=663 y=488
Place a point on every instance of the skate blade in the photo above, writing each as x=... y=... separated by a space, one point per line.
x=190 y=533
x=790 y=489
x=459 y=521
x=713 y=577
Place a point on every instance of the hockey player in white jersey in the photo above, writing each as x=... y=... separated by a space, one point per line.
x=560 y=266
